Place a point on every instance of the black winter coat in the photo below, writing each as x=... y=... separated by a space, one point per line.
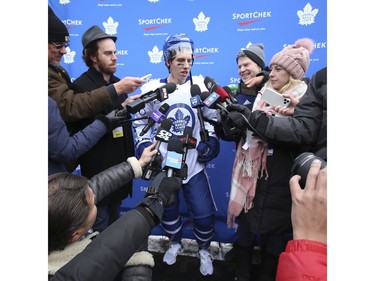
x=106 y=256
x=308 y=126
x=272 y=202
x=109 y=150
x=288 y=137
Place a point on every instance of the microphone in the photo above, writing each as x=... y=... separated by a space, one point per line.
x=173 y=158
x=187 y=142
x=173 y=161
x=212 y=86
x=160 y=94
x=196 y=102
x=155 y=117
x=230 y=94
x=213 y=101
x=162 y=135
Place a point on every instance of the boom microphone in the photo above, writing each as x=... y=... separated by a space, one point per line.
x=162 y=135
x=160 y=93
x=155 y=117
x=212 y=86
x=196 y=102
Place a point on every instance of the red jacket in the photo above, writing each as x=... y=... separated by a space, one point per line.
x=303 y=260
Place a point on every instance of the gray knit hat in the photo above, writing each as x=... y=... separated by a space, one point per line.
x=255 y=52
x=95 y=33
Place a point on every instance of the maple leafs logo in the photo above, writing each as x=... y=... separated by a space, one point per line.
x=179 y=122
x=110 y=26
x=155 y=55
x=201 y=22
x=69 y=56
x=307 y=16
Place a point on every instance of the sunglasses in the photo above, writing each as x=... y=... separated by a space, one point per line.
x=60 y=45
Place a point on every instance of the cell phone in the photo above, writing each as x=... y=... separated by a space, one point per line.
x=274 y=98
x=147 y=77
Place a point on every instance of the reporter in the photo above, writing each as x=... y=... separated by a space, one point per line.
x=253 y=75
x=73 y=103
x=305 y=256
x=72 y=212
x=64 y=148
x=99 y=55
x=306 y=128
x=260 y=195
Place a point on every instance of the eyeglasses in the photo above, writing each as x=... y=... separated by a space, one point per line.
x=60 y=45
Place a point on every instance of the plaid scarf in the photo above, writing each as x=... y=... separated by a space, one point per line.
x=250 y=163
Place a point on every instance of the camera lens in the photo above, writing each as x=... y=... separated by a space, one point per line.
x=301 y=166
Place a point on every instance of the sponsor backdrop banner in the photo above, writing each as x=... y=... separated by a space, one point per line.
x=219 y=29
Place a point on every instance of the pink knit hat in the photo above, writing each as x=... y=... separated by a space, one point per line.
x=295 y=59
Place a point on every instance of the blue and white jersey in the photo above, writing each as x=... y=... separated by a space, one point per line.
x=181 y=114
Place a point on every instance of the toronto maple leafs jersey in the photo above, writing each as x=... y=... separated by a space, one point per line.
x=181 y=114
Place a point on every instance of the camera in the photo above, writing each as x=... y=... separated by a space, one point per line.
x=301 y=166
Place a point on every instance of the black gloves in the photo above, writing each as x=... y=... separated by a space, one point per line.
x=242 y=118
x=227 y=133
x=111 y=120
x=237 y=117
x=259 y=121
x=160 y=192
x=168 y=188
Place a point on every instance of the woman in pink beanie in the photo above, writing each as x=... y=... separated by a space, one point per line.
x=261 y=170
x=295 y=59
x=288 y=68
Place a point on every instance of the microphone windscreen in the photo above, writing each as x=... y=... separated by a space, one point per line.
x=210 y=84
x=222 y=93
x=195 y=90
x=166 y=124
x=188 y=131
x=205 y=95
x=175 y=145
x=164 y=108
x=170 y=87
x=228 y=90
